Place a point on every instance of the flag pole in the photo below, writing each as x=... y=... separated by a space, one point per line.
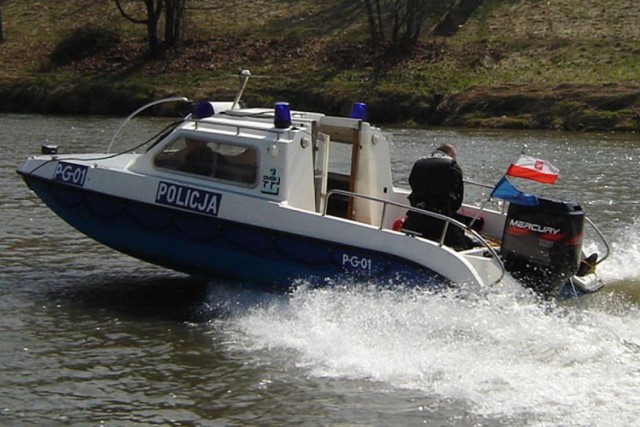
x=482 y=206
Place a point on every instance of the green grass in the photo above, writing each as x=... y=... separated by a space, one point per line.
x=316 y=52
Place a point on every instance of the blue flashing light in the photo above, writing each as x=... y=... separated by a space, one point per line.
x=282 y=118
x=359 y=111
x=203 y=109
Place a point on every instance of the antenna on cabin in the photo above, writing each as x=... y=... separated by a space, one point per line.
x=244 y=78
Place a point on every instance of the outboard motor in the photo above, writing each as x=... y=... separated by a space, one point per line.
x=542 y=245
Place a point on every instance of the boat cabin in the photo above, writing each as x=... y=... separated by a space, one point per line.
x=300 y=162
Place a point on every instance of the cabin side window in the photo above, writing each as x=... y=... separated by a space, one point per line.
x=223 y=161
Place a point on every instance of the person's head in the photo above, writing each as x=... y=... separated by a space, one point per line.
x=448 y=149
x=194 y=144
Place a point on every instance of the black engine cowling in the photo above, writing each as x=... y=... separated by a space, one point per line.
x=542 y=245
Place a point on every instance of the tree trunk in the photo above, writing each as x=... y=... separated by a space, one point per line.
x=380 y=25
x=174 y=15
x=373 y=29
x=152 y=37
x=1 y=27
x=405 y=19
x=154 y=10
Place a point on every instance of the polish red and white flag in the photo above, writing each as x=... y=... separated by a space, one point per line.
x=528 y=167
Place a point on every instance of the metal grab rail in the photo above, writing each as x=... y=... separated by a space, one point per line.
x=604 y=240
x=447 y=220
x=478 y=184
x=236 y=127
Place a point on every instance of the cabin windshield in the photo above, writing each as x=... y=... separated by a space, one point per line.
x=228 y=162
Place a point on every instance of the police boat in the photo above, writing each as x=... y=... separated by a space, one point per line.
x=254 y=194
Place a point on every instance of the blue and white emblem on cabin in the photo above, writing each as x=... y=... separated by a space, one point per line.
x=271 y=182
x=184 y=197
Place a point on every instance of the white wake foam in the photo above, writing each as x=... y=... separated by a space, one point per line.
x=504 y=354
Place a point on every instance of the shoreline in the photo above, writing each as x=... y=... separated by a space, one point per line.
x=568 y=107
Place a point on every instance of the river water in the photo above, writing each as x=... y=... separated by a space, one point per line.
x=92 y=337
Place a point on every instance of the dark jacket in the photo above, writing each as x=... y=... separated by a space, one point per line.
x=436 y=182
x=436 y=186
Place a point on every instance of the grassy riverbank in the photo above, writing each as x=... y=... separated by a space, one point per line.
x=562 y=64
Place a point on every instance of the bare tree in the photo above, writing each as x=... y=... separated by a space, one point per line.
x=403 y=20
x=408 y=18
x=153 y=12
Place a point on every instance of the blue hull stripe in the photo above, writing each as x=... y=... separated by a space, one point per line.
x=208 y=246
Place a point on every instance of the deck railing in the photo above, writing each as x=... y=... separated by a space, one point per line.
x=447 y=222
x=604 y=241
